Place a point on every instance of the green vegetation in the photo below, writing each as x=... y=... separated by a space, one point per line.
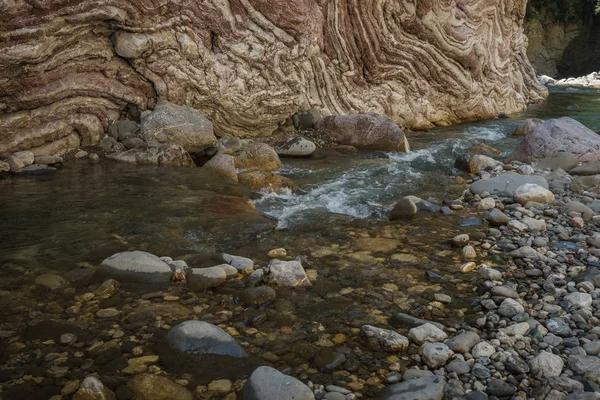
x=563 y=10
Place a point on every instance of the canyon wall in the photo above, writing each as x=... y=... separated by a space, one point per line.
x=67 y=68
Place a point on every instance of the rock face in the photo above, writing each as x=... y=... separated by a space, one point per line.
x=72 y=67
x=558 y=135
x=179 y=124
x=363 y=131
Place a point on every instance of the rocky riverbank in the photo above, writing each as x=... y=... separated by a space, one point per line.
x=492 y=295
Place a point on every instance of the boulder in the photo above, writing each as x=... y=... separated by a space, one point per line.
x=200 y=338
x=163 y=154
x=156 y=387
x=265 y=180
x=287 y=273
x=123 y=129
x=110 y=145
x=527 y=126
x=257 y=155
x=384 y=339
x=205 y=278
x=404 y=208
x=563 y=160
x=267 y=383
x=363 y=131
x=586 y=169
x=297 y=147
x=224 y=165
x=506 y=184
x=20 y=160
x=425 y=388
x=135 y=267
x=533 y=192
x=558 y=135
x=132 y=142
x=183 y=125
x=304 y=120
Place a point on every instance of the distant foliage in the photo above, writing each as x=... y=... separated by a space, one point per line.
x=563 y=10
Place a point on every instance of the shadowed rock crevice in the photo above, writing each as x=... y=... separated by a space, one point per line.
x=249 y=65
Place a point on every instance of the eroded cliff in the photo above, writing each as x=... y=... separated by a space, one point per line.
x=67 y=68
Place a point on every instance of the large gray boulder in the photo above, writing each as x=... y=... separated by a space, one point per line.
x=587 y=169
x=183 y=125
x=363 y=131
x=163 y=154
x=425 y=388
x=506 y=184
x=135 y=267
x=199 y=338
x=558 y=135
x=267 y=383
x=562 y=160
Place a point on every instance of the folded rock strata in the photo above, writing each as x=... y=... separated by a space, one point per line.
x=68 y=68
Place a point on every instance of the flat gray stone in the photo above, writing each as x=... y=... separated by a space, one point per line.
x=135 y=267
x=267 y=383
x=205 y=278
x=506 y=184
x=561 y=159
x=199 y=337
x=587 y=169
x=425 y=388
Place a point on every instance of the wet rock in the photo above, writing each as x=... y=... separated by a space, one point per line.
x=406 y=320
x=205 y=278
x=123 y=129
x=287 y=273
x=258 y=180
x=384 y=339
x=48 y=160
x=460 y=240
x=198 y=337
x=425 y=388
x=4 y=166
x=109 y=145
x=20 y=160
x=506 y=184
x=258 y=295
x=533 y=192
x=563 y=160
x=548 y=363
x=133 y=142
x=326 y=359
x=404 y=208
x=267 y=383
x=135 y=267
x=36 y=169
x=156 y=387
x=464 y=342
x=297 y=147
x=259 y=156
x=427 y=333
x=224 y=165
x=435 y=355
x=154 y=153
x=363 y=131
x=527 y=126
x=179 y=124
x=93 y=389
x=558 y=135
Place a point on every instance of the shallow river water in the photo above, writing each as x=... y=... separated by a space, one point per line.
x=363 y=268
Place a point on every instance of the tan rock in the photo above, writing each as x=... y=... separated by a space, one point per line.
x=257 y=155
x=224 y=165
x=154 y=387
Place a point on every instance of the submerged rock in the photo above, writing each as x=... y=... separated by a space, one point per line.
x=135 y=267
x=163 y=154
x=20 y=159
x=224 y=165
x=384 y=339
x=199 y=338
x=156 y=387
x=363 y=131
x=267 y=383
x=205 y=278
x=527 y=126
x=93 y=389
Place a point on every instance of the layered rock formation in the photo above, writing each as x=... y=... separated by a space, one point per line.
x=67 y=68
